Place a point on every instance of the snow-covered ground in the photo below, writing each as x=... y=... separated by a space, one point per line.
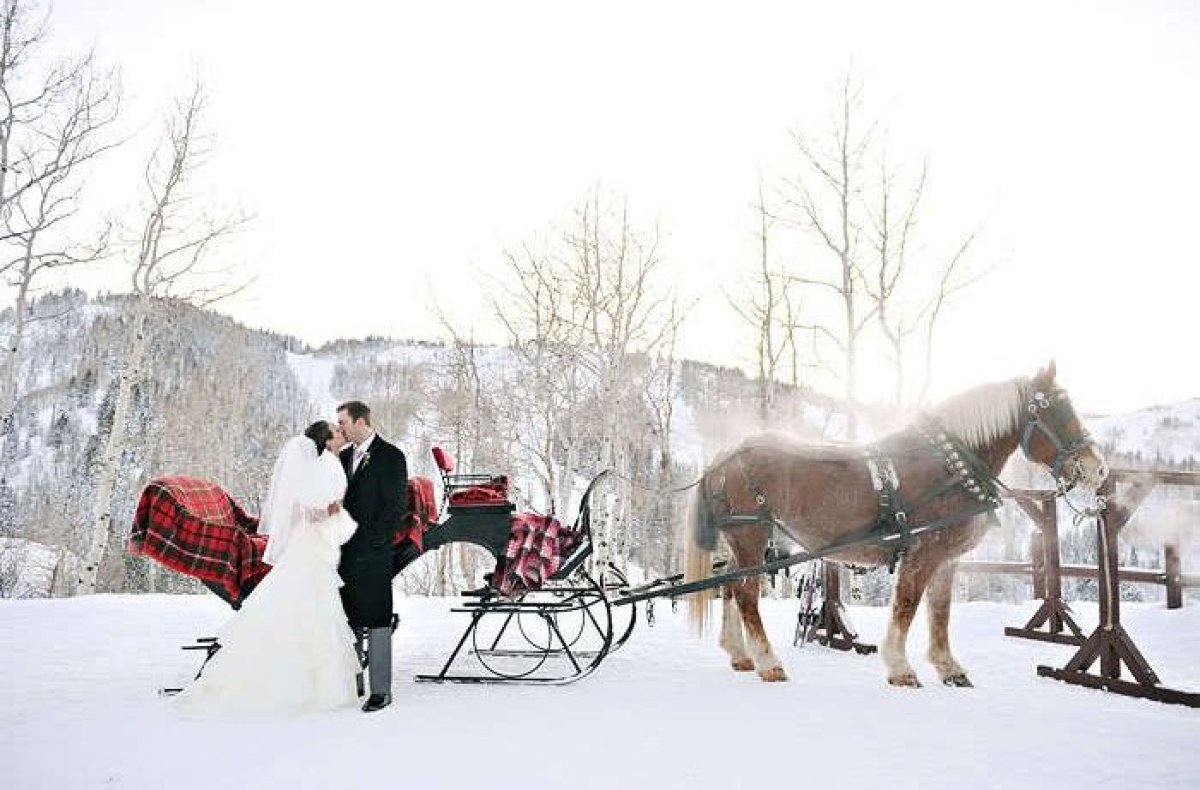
x=80 y=711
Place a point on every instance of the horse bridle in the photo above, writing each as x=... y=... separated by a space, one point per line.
x=1044 y=413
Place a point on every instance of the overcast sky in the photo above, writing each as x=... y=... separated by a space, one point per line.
x=391 y=148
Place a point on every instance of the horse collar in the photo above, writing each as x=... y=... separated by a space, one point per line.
x=966 y=468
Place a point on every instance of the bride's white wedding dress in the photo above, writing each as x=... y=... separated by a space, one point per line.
x=289 y=650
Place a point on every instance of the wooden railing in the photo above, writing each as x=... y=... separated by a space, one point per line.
x=1045 y=567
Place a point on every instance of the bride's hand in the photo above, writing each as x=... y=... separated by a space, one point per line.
x=334 y=508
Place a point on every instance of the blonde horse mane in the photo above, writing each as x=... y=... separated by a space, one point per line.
x=980 y=415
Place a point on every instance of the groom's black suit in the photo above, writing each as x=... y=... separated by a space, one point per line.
x=375 y=498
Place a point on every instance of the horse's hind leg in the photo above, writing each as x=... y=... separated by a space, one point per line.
x=937 y=603
x=733 y=639
x=911 y=579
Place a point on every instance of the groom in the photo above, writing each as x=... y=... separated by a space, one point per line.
x=377 y=475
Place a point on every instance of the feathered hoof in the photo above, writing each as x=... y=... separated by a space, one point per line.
x=773 y=675
x=742 y=664
x=958 y=681
x=908 y=680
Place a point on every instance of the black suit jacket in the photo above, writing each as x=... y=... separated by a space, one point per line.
x=376 y=498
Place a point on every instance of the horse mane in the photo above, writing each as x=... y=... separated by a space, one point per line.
x=984 y=413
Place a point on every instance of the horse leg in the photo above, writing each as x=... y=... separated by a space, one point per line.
x=768 y=666
x=937 y=602
x=910 y=584
x=732 y=637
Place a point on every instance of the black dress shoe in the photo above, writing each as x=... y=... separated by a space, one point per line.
x=376 y=702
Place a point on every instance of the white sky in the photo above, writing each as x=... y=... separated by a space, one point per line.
x=390 y=147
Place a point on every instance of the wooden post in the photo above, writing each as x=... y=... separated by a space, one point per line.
x=1174 y=573
x=833 y=625
x=1047 y=575
x=1037 y=561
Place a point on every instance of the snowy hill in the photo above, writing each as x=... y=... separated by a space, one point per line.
x=1157 y=435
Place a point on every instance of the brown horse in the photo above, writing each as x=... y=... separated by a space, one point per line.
x=923 y=491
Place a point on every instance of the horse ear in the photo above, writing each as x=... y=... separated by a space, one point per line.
x=1046 y=375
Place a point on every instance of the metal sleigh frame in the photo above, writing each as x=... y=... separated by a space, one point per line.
x=554 y=635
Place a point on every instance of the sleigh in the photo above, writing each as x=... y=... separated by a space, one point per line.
x=541 y=617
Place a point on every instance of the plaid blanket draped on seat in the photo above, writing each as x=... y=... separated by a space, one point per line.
x=194 y=527
x=534 y=553
x=422 y=511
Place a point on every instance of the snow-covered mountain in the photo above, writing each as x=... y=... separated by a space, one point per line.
x=1154 y=436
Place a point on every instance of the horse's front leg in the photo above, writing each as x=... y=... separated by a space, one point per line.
x=911 y=579
x=768 y=665
x=937 y=603
x=733 y=640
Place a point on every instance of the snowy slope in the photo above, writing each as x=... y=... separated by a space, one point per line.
x=1170 y=433
x=315 y=375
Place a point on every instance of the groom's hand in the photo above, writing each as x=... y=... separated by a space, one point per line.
x=334 y=508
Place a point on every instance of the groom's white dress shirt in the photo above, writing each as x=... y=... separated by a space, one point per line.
x=360 y=451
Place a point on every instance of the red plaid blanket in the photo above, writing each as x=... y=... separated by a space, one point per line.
x=422 y=511
x=494 y=492
x=194 y=527
x=534 y=553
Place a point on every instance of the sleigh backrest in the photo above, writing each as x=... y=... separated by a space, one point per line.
x=469 y=490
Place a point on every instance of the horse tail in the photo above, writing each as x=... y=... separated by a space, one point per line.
x=700 y=542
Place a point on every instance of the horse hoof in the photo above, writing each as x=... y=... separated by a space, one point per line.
x=742 y=665
x=906 y=681
x=958 y=681
x=773 y=675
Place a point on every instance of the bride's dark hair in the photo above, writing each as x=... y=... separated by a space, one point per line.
x=319 y=432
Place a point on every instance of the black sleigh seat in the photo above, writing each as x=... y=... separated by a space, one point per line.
x=480 y=511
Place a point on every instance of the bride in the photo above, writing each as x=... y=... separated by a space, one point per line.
x=289 y=649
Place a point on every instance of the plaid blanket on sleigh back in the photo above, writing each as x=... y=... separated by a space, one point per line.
x=534 y=552
x=194 y=527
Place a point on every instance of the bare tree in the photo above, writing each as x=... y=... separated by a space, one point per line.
x=952 y=278
x=53 y=123
x=544 y=334
x=883 y=279
x=661 y=391
x=580 y=310
x=770 y=312
x=826 y=194
x=627 y=310
x=171 y=259
x=907 y=284
x=893 y=231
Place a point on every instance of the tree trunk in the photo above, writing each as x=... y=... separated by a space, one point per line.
x=12 y=367
x=108 y=468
